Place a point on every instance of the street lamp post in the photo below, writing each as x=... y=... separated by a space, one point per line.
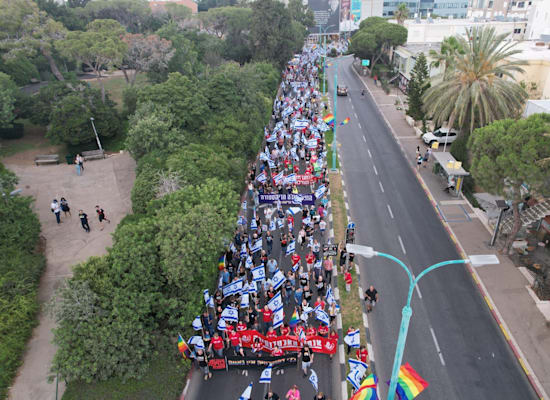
x=335 y=112
x=406 y=313
x=96 y=136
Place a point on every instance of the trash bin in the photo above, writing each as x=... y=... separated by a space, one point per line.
x=70 y=159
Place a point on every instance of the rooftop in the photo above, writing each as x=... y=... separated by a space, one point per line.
x=531 y=52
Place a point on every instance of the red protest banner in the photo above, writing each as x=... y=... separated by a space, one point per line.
x=288 y=343
x=216 y=363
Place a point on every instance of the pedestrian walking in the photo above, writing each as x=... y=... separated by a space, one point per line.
x=307 y=358
x=371 y=297
x=348 y=279
x=84 y=220
x=202 y=359
x=79 y=163
x=293 y=393
x=269 y=241
x=56 y=209
x=65 y=207
x=217 y=344
x=419 y=159
x=328 y=265
x=101 y=216
x=270 y=395
x=427 y=156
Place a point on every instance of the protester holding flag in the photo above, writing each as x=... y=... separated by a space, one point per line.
x=217 y=344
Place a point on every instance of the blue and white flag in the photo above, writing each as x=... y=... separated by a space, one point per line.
x=301 y=124
x=318 y=264
x=265 y=377
x=272 y=226
x=230 y=314
x=197 y=324
x=296 y=266
x=196 y=341
x=262 y=178
x=253 y=224
x=280 y=223
x=278 y=279
x=276 y=302
x=278 y=178
x=322 y=316
x=252 y=289
x=243 y=250
x=278 y=317
x=241 y=220
x=232 y=288
x=271 y=138
x=290 y=179
x=263 y=157
x=291 y=248
x=294 y=210
x=257 y=246
x=222 y=326
x=245 y=301
x=330 y=295
x=356 y=373
x=271 y=164
x=243 y=206
x=353 y=339
x=247 y=393
x=320 y=191
x=314 y=380
x=248 y=263
x=306 y=220
x=312 y=143
x=258 y=273
x=208 y=300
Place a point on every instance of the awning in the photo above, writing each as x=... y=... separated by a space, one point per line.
x=449 y=163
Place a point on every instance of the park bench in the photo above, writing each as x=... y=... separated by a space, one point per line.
x=93 y=155
x=46 y=159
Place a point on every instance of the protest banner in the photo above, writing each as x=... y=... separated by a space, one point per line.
x=318 y=344
x=288 y=199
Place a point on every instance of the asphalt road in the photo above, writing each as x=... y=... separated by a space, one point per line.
x=393 y=215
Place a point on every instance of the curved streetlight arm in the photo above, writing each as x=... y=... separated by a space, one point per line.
x=400 y=263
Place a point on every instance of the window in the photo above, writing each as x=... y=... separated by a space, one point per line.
x=521 y=4
x=513 y=3
x=490 y=4
x=386 y=4
x=390 y=12
x=517 y=30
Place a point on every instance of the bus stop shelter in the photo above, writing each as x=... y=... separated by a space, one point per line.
x=451 y=169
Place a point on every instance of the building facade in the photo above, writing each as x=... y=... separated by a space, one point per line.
x=491 y=9
x=443 y=8
x=538 y=21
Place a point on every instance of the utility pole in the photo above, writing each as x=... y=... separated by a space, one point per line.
x=96 y=136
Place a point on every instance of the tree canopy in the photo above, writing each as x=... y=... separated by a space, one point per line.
x=419 y=83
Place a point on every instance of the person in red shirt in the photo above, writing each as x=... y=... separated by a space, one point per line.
x=334 y=336
x=277 y=352
x=229 y=328
x=285 y=330
x=257 y=346
x=296 y=169
x=271 y=334
x=217 y=344
x=295 y=258
x=241 y=326
x=310 y=259
x=299 y=328
x=267 y=317
x=323 y=330
x=311 y=331
x=320 y=302
x=348 y=279
x=362 y=354
x=235 y=339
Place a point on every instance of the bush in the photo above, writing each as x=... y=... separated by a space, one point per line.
x=130 y=97
x=15 y=132
x=21 y=70
x=459 y=150
x=333 y=53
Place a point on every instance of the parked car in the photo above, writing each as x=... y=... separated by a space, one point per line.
x=440 y=135
x=341 y=90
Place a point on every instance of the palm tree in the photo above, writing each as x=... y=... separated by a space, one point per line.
x=401 y=14
x=450 y=49
x=479 y=87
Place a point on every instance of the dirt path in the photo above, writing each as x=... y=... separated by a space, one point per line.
x=105 y=182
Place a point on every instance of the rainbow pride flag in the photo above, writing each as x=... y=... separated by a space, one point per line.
x=294 y=319
x=329 y=119
x=367 y=390
x=409 y=383
x=221 y=262
x=183 y=348
x=344 y=122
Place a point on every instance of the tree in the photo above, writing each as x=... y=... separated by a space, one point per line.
x=480 y=88
x=99 y=47
x=152 y=127
x=8 y=92
x=26 y=30
x=507 y=156
x=401 y=13
x=419 y=83
x=144 y=54
x=301 y=13
x=132 y=14
x=450 y=49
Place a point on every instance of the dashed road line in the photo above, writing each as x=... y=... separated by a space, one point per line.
x=356 y=117
x=370 y=155
x=389 y=210
x=375 y=170
x=437 y=347
x=359 y=125
x=401 y=243
x=364 y=140
x=381 y=187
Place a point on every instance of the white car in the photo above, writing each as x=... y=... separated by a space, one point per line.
x=440 y=135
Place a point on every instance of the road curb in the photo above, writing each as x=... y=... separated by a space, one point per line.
x=512 y=343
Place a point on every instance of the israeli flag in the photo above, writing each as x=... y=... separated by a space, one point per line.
x=302 y=336
x=357 y=371
x=272 y=226
x=232 y=288
x=296 y=140
x=245 y=299
x=318 y=264
x=322 y=316
x=222 y=326
x=271 y=138
x=295 y=267
x=271 y=164
x=306 y=221
x=208 y=300
x=297 y=199
x=243 y=206
x=353 y=339
x=278 y=279
x=323 y=126
x=197 y=342
x=301 y=124
x=230 y=314
x=262 y=178
x=258 y=273
x=290 y=179
x=276 y=302
x=257 y=246
x=247 y=393
x=248 y=263
x=312 y=143
x=330 y=295
x=253 y=224
x=278 y=317
x=280 y=223
x=265 y=377
x=263 y=157
x=278 y=178
x=314 y=380
x=197 y=324
x=252 y=289
x=243 y=250
x=320 y=191
x=294 y=210
x=291 y=248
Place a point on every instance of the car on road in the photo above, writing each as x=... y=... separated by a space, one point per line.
x=440 y=135
x=342 y=90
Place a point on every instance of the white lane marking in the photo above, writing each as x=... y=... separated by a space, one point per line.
x=344 y=387
x=401 y=243
x=437 y=347
x=364 y=140
x=381 y=187
x=361 y=296
x=389 y=210
x=338 y=321
x=359 y=125
x=371 y=352
x=365 y=321
x=341 y=352
x=356 y=117
x=370 y=155
x=357 y=269
x=375 y=170
x=417 y=288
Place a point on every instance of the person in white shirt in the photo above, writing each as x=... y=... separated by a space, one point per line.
x=322 y=226
x=56 y=209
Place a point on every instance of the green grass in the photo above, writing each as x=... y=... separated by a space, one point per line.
x=329 y=135
x=163 y=381
x=115 y=86
x=9 y=149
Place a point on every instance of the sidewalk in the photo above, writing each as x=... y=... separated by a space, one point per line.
x=503 y=286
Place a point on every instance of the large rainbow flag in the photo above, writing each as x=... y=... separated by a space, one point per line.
x=294 y=319
x=221 y=262
x=329 y=119
x=409 y=383
x=183 y=348
x=367 y=390
x=344 y=122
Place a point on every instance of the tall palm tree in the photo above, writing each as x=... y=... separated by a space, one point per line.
x=401 y=14
x=450 y=49
x=479 y=88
